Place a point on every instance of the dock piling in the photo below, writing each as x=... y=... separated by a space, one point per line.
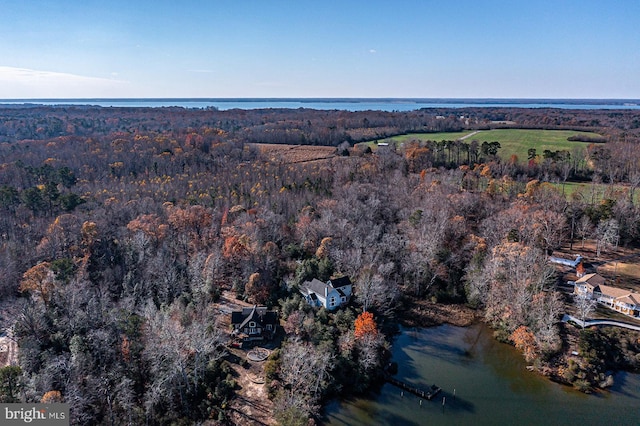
x=427 y=394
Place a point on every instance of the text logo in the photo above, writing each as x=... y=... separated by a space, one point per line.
x=36 y=414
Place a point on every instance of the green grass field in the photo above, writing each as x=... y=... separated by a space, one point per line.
x=594 y=193
x=512 y=141
x=430 y=136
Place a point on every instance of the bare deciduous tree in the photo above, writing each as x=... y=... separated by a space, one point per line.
x=607 y=235
x=585 y=306
x=373 y=291
x=304 y=372
x=584 y=228
x=178 y=351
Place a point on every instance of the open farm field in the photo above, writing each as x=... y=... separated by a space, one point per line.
x=397 y=140
x=431 y=136
x=295 y=153
x=518 y=141
x=595 y=193
x=512 y=141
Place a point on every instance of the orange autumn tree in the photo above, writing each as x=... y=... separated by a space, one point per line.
x=39 y=280
x=365 y=325
x=149 y=224
x=53 y=396
x=193 y=219
x=323 y=249
x=235 y=246
x=368 y=343
x=525 y=341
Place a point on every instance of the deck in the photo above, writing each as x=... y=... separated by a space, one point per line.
x=427 y=394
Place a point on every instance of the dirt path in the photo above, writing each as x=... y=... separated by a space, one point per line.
x=470 y=135
x=251 y=406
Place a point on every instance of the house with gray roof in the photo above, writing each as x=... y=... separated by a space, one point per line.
x=332 y=294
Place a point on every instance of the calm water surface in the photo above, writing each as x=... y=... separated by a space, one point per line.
x=492 y=387
x=338 y=104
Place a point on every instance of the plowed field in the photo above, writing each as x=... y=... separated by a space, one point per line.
x=296 y=153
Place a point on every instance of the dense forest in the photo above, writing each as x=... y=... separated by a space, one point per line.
x=300 y=126
x=120 y=227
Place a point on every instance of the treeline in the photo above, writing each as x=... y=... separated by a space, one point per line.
x=617 y=124
x=615 y=162
x=111 y=298
x=301 y=126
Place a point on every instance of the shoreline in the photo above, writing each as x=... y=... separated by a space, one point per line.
x=423 y=313
x=427 y=314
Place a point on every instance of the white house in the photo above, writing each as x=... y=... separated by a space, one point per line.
x=332 y=294
x=624 y=301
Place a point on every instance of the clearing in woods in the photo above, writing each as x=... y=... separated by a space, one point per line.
x=512 y=141
x=251 y=406
x=290 y=154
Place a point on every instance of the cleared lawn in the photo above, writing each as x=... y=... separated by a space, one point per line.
x=512 y=141
x=627 y=273
x=621 y=265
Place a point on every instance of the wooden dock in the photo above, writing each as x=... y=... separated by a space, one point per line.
x=427 y=394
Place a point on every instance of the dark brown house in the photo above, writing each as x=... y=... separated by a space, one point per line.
x=254 y=323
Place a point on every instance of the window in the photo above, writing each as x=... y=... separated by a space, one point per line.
x=268 y=327
x=332 y=301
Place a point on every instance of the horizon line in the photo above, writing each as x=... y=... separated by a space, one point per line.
x=305 y=98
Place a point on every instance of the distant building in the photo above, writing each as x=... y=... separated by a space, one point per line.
x=593 y=287
x=566 y=262
x=331 y=295
x=254 y=323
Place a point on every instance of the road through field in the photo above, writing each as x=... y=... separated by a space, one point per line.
x=469 y=135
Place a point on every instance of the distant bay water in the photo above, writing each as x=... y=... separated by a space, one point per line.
x=344 y=104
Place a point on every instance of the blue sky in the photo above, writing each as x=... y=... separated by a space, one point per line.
x=273 y=48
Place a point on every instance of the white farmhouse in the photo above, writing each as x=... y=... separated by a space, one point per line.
x=332 y=294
